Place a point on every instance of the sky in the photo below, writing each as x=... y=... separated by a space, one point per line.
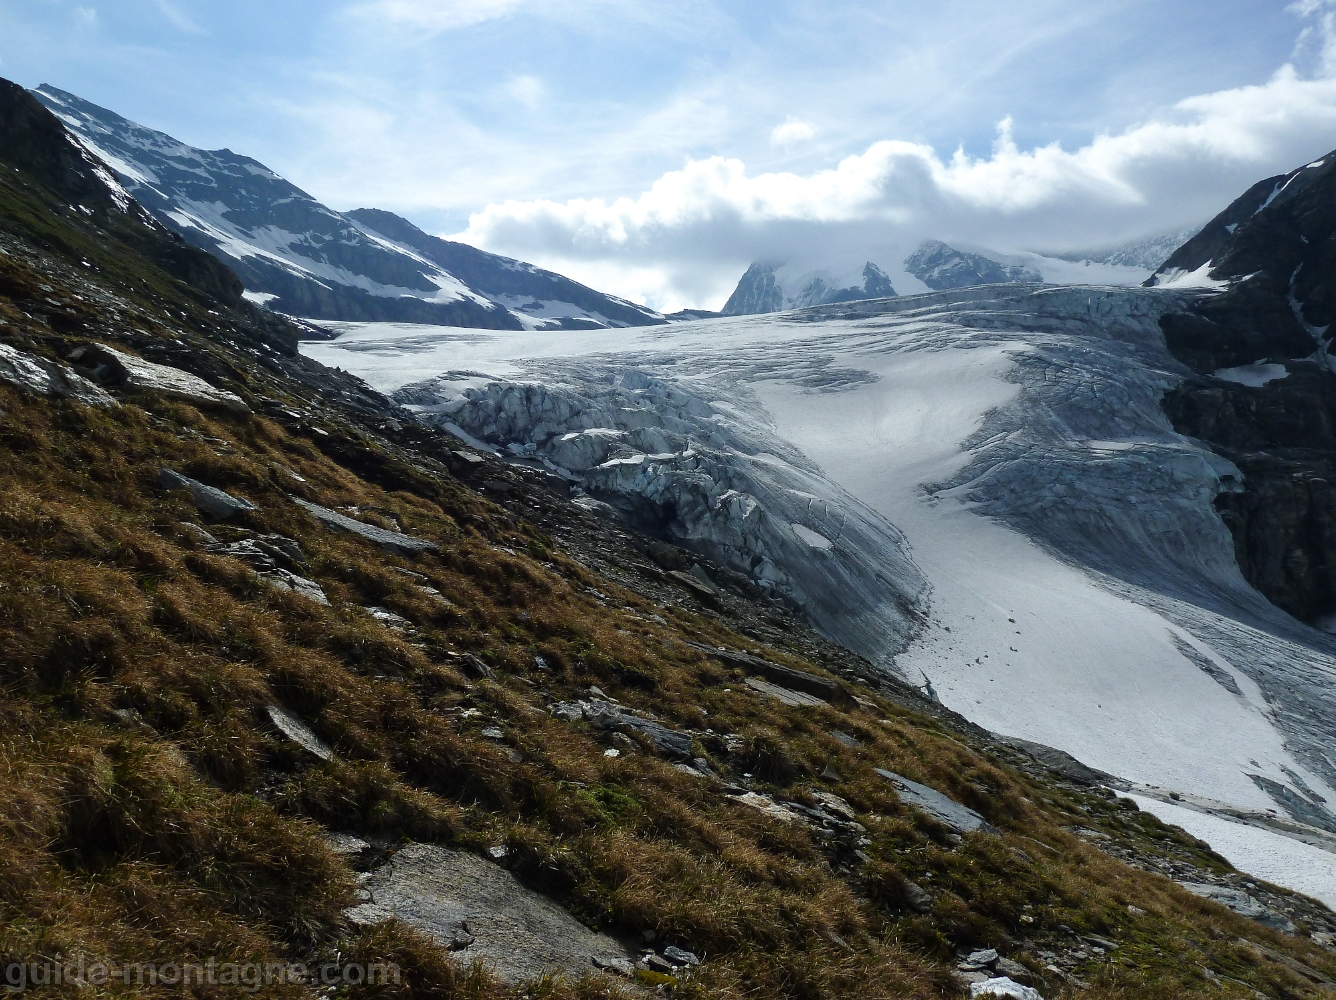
x=655 y=148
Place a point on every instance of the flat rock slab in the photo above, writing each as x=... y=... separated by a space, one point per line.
x=794 y=699
x=948 y=812
x=392 y=541
x=209 y=500
x=118 y=368
x=1002 y=986
x=454 y=897
x=42 y=378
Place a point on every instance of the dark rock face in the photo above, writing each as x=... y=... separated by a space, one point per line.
x=1276 y=244
x=308 y=260
x=759 y=291
x=1283 y=519
x=939 y=267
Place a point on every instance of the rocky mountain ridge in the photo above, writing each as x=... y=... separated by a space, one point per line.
x=300 y=257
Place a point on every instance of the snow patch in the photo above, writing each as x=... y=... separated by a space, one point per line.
x=259 y=298
x=1254 y=375
x=1178 y=277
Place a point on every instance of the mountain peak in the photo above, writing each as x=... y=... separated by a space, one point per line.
x=762 y=290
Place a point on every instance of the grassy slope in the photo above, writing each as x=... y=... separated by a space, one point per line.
x=150 y=814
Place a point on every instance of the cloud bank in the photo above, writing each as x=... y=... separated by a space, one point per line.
x=685 y=240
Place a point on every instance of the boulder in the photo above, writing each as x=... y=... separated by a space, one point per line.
x=918 y=898
x=43 y=378
x=283 y=579
x=680 y=956
x=948 y=812
x=113 y=367
x=795 y=680
x=212 y=502
x=391 y=541
x=520 y=934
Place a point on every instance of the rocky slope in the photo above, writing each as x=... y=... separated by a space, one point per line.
x=762 y=289
x=299 y=257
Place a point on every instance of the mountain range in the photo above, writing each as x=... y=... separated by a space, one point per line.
x=937 y=266
x=299 y=257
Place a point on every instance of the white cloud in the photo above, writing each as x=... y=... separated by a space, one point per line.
x=435 y=15
x=694 y=229
x=793 y=130
x=85 y=18
x=528 y=90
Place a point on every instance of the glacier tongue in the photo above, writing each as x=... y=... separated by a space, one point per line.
x=709 y=476
x=1082 y=591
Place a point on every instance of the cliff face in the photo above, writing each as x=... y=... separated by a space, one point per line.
x=1280 y=435
x=1265 y=392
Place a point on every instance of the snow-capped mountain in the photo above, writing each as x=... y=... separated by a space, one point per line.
x=767 y=288
x=940 y=267
x=297 y=256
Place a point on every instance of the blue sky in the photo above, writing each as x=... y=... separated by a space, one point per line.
x=720 y=126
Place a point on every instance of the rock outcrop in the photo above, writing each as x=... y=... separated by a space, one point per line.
x=211 y=501
x=117 y=368
x=948 y=812
x=482 y=912
x=391 y=541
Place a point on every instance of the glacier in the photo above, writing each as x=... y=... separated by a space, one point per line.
x=975 y=486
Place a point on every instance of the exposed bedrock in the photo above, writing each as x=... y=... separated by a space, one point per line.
x=709 y=476
x=1282 y=436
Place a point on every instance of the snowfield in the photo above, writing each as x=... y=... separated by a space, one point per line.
x=976 y=487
